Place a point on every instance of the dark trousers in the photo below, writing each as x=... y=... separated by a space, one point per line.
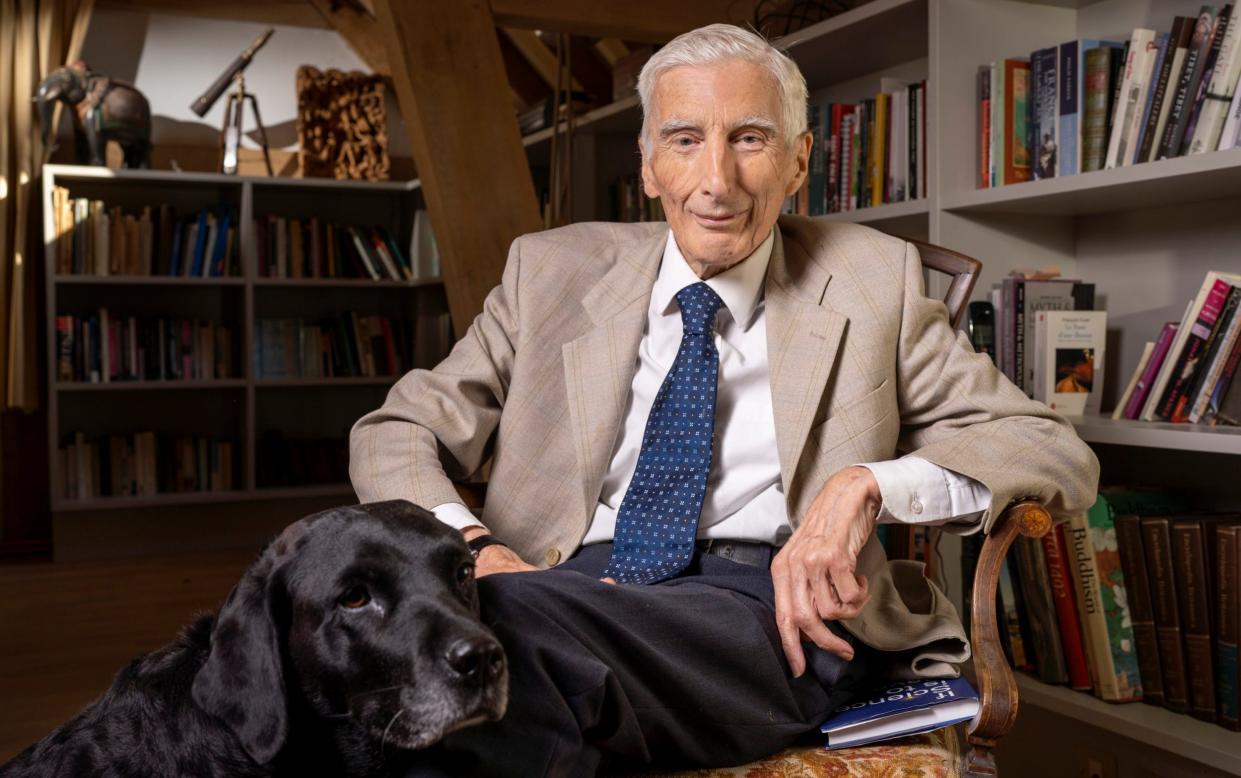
x=685 y=672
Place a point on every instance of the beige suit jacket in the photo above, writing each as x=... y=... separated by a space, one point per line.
x=864 y=368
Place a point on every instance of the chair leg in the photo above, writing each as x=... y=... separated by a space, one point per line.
x=980 y=759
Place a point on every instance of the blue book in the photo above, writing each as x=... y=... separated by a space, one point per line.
x=220 y=250
x=899 y=709
x=200 y=245
x=178 y=237
x=1161 y=41
x=1043 y=112
x=1068 y=111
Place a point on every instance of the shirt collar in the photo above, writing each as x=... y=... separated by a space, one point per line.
x=740 y=286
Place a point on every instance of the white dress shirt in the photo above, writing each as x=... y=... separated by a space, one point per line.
x=749 y=504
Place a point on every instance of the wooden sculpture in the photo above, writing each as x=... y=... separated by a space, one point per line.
x=342 y=125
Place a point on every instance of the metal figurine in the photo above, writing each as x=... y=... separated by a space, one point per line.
x=103 y=109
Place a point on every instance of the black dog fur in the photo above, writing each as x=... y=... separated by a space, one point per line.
x=353 y=639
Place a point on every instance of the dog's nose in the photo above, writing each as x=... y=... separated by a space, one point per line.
x=475 y=659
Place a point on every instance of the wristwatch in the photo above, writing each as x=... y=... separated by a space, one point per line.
x=478 y=543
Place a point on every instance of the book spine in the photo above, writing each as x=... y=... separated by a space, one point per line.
x=1068 y=102
x=984 y=127
x=1225 y=403
x=1216 y=95
x=1041 y=611
x=1222 y=22
x=817 y=173
x=1016 y=141
x=1232 y=126
x=1010 y=610
x=1189 y=357
x=1137 y=586
x=1157 y=86
x=1228 y=617
x=1193 y=403
x=1055 y=551
x=1043 y=104
x=1019 y=333
x=1090 y=610
x=1119 y=123
x=1189 y=567
x=1097 y=87
x=1157 y=546
x=1187 y=84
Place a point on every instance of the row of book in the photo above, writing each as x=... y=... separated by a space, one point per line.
x=93 y=238
x=630 y=203
x=1094 y=104
x=102 y=348
x=1139 y=599
x=1189 y=373
x=144 y=464
x=294 y=247
x=349 y=345
x=868 y=153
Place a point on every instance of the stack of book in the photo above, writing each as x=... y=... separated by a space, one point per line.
x=95 y=239
x=866 y=154
x=102 y=348
x=293 y=247
x=1049 y=340
x=1139 y=599
x=1094 y=104
x=347 y=345
x=1189 y=373
x=630 y=203
x=144 y=464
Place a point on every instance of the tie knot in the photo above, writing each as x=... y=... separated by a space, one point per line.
x=699 y=304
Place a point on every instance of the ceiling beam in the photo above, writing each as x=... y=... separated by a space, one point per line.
x=358 y=27
x=536 y=52
x=457 y=107
x=297 y=13
x=649 y=21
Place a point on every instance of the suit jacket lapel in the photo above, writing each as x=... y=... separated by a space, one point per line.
x=803 y=338
x=599 y=365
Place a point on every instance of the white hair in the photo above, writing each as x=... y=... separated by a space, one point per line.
x=717 y=43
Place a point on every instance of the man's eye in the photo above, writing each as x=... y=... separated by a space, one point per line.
x=751 y=139
x=684 y=141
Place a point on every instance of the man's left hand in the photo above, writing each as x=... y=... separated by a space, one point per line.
x=814 y=574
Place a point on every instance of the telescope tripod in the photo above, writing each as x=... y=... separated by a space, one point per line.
x=230 y=134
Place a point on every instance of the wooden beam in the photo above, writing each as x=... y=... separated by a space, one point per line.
x=648 y=21
x=457 y=107
x=536 y=52
x=611 y=49
x=359 y=29
x=297 y=13
x=526 y=82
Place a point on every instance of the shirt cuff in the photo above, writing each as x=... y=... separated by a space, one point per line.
x=915 y=491
x=456 y=515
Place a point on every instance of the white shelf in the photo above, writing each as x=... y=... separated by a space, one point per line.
x=907 y=218
x=1177 y=733
x=85 y=172
x=1158 y=434
x=130 y=280
x=121 y=386
x=1197 y=178
x=872 y=37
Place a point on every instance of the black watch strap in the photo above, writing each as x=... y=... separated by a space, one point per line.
x=479 y=542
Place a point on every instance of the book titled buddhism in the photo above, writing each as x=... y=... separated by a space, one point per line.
x=900 y=709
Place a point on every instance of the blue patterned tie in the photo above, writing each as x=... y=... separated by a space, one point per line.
x=658 y=519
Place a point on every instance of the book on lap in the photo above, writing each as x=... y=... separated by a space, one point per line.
x=899 y=709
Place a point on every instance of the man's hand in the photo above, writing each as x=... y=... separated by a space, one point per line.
x=814 y=573
x=495 y=559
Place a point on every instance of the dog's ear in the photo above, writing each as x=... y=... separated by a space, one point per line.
x=242 y=681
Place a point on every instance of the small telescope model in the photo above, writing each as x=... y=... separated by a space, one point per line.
x=230 y=133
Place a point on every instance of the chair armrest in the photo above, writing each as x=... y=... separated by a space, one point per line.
x=997 y=689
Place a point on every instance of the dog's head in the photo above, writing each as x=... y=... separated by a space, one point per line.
x=368 y=612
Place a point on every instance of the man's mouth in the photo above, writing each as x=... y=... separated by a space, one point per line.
x=716 y=220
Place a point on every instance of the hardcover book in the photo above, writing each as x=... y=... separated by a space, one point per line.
x=1157 y=546
x=1043 y=130
x=1055 y=551
x=1036 y=592
x=1137 y=587
x=1015 y=134
x=1228 y=617
x=901 y=709
x=1068 y=362
x=1187 y=85
x=1142 y=49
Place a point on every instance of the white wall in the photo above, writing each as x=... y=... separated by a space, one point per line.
x=173 y=59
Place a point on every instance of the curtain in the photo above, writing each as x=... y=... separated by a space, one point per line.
x=36 y=37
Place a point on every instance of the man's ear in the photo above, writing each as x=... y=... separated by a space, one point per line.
x=242 y=681
x=801 y=158
x=648 y=176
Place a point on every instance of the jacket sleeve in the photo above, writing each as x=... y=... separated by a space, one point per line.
x=958 y=411
x=438 y=425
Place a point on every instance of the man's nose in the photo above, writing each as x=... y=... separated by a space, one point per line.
x=718 y=172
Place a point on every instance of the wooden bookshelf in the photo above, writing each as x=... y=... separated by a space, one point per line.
x=1197 y=741
x=245 y=407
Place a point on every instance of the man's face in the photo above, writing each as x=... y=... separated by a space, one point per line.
x=718 y=160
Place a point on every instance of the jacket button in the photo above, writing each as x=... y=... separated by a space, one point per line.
x=552 y=556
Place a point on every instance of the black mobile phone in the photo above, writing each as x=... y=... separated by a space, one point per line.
x=980 y=327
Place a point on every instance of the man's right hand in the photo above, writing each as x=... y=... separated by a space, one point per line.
x=495 y=558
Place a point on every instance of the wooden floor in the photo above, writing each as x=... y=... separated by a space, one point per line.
x=66 y=628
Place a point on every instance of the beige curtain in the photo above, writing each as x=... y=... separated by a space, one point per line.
x=36 y=37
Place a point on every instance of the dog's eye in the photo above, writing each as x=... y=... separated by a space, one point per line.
x=465 y=573
x=355 y=597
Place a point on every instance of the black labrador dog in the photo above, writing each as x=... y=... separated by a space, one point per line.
x=353 y=640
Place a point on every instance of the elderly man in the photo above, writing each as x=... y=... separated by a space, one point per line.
x=696 y=427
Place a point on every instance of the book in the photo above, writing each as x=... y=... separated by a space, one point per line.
x=1179 y=371
x=1228 y=617
x=1142 y=48
x=1097 y=58
x=1190 y=568
x=1036 y=594
x=1008 y=608
x=1140 y=147
x=1101 y=601
x=1218 y=33
x=1157 y=548
x=1187 y=86
x=1137 y=587
x=1057 y=294
x=901 y=709
x=1015 y=131
x=1165 y=86
x=1224 y=406
x=1220 y=86
x=1055 y=552
x=1210 y=365
x=1068 y=107
x=1147 y=349
x=1043 y=105
x=1069 y=354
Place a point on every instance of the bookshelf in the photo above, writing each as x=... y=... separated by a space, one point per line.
x=245 y=408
